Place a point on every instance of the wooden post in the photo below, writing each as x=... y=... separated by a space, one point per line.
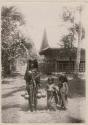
x=56 y=66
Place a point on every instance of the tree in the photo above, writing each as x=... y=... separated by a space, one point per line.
x=77 y=30
x=67 y=41
x=13 y=42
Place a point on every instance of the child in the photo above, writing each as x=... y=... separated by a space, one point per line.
x=63 y=90
x=50 y=92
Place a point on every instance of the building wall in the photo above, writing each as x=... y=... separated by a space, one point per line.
x=60 y=66
x=62 y=61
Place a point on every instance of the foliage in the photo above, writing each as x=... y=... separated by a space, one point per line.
x=67 y=41
x=68 y=15
x=11 y=19
x=77 y=30
x=13 y=42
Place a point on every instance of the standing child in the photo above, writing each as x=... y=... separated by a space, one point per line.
x=50 y=92
x=63 y=91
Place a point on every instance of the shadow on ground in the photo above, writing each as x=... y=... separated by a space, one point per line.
x=75 y=120
x=7 y=82
x=12 y=92
x=13 y=75
x=4 y=107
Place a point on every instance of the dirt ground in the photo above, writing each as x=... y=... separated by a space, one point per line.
x=15 y=107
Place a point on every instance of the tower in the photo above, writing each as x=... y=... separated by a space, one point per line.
x=45 y=43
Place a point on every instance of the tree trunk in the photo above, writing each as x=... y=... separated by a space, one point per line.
x=78 y=48
x=78 y=56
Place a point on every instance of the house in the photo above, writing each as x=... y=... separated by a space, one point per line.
x=58 y=59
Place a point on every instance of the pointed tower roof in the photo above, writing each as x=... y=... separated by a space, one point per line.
x=45 y=43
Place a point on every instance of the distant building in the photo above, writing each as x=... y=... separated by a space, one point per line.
x=59 y=59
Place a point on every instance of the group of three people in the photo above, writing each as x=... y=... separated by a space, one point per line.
x=59 y=92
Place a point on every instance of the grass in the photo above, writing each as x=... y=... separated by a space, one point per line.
x=77 y=87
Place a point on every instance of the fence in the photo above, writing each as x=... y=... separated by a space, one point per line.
x=60 y=66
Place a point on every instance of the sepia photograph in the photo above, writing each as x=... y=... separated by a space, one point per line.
x=43 y=62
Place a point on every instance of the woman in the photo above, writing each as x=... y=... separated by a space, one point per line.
x=31 y=84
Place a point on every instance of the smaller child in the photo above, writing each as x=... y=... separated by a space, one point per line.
x=50 y=91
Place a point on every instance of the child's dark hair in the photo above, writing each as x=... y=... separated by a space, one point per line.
x=29 y=63
x=50 y=79
x=63 y=78
x=35 y=63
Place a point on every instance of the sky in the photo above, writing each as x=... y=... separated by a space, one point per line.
x=40 y=16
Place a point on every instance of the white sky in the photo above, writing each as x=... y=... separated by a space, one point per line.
x=45 y=15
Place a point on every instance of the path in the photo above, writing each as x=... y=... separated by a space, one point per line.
x=15 y=107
